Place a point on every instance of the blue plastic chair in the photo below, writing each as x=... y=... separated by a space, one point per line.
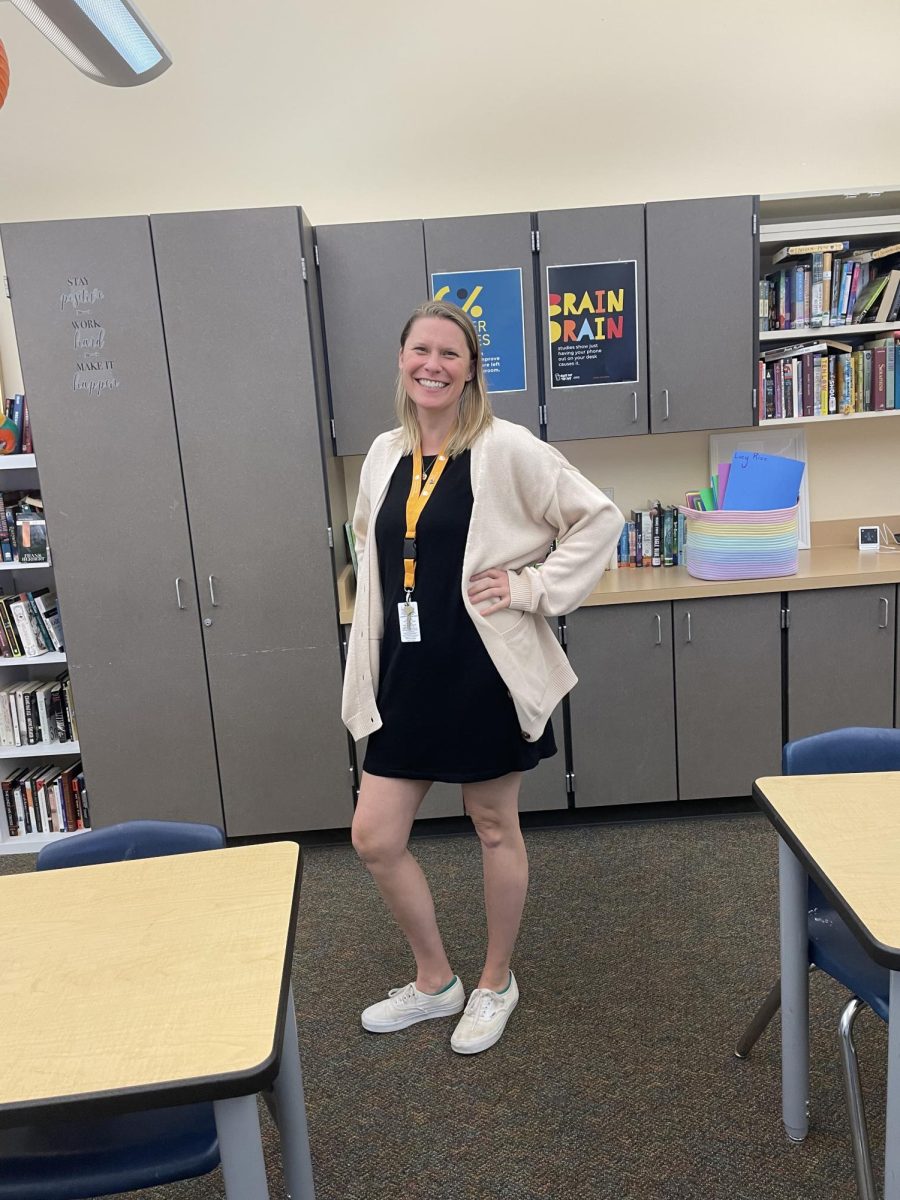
x=832 y=947
x=74 y=1160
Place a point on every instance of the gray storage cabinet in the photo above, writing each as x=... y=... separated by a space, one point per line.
x=594 y=235
x=728 y=697
x=623 y=709
x=90 y=338
x=237 y=329
x=482 y=244
x=372 y=276
x=703 y=303
x=840 y=659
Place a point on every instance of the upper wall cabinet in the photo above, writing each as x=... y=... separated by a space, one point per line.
x=371 y=276
x=485 y=266
x=702 y=301
x=593 y=306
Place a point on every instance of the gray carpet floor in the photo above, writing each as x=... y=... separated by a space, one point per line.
x=644 y=950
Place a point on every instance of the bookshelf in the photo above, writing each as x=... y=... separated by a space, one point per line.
x=868 y=220
x=19 y=472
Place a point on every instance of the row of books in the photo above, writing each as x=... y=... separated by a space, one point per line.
x=654 y=537
x=23 y=528
x=30 y=625
x=828 y=377
x=38 y=712
x=15 y=427
x=45 y=799
x=827 y=287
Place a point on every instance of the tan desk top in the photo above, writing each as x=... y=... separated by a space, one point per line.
x=821 y=567
x=159 y=980
x=846 y=831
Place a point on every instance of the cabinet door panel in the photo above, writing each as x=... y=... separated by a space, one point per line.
x=372 y=277
x=484 y=244
x=595 y=235
x=703 y=300
x=623 y=709
x=840 y=659
x=237 y=330
x=87 y=320
x=727 y=694
x=544 y=787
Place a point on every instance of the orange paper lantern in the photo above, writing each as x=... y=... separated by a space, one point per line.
x=4 y=74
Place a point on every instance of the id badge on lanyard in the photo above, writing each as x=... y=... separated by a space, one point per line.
x=419 y=495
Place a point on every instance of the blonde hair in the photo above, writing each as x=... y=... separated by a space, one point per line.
x=474 y=413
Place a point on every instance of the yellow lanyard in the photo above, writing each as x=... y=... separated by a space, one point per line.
x=418 y=497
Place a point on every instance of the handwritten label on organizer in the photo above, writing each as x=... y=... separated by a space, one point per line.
x=94 y=371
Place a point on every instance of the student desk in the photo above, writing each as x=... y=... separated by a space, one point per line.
x=844 y=830
x=157 y=982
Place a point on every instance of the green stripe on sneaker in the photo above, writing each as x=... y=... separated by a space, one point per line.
x=445 y=989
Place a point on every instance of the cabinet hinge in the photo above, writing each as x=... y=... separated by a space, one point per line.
x=570 y=781
x=535 y=241
x=542 y=413
x=785 y=618
x=316 y=252
x=563 y=636
x=754 y=224
x=755 y=402
x=344 y=644
x=6 y=286
x=333 y=434
x=330 y=538
x=303 y=267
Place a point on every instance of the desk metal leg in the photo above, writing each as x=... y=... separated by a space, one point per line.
x=892 y=1126
x=291 y=1111
x=793 y=905
x=240 y=1146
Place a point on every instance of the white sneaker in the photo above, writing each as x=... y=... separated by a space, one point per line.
x=407 y=1006
x=485 y=1018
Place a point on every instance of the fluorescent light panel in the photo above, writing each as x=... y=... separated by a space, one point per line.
x=122 y=32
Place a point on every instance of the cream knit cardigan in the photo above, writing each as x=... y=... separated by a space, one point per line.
x=525 y=495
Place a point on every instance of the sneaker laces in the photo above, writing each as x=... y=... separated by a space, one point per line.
x=482 y=1004
x=402 y=995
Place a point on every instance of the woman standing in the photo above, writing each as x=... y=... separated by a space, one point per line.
x=452 y=671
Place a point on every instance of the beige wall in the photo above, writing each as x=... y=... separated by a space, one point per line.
x=374 y=111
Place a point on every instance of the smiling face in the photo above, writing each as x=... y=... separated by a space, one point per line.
x=435 y=364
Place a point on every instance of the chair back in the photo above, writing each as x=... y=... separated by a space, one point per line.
x=131 y=839
x=842 y=751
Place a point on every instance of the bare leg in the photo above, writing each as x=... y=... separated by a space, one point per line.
x=493 y=807
x=384 y=815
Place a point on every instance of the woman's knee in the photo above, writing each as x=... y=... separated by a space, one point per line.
x=493 y=828
x=375 y=842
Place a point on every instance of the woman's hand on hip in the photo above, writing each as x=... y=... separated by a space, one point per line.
x=491 y=586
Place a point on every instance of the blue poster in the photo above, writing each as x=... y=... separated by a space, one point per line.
x=493 y=299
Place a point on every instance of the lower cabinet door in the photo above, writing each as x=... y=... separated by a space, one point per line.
x=623 y=709
x=727 y=693
x=841 y=644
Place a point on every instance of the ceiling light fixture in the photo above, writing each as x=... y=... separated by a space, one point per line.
x=107 y=40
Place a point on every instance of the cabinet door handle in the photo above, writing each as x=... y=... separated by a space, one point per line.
x=212 y=592
x=666 y=400
x=887 y=612
x=178 y=591
x=635 y=417
x=658 y=630
x=688 y=617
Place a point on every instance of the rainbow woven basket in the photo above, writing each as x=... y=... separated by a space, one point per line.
x=741 y=545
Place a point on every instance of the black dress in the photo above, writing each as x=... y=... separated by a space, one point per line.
x=447 y=715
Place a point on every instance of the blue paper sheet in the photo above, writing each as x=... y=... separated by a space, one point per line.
x=761 y=481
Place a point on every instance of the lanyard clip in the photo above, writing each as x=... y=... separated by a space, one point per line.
x=408 y=595
x=409 y=548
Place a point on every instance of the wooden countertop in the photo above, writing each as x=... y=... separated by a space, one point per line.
x=846 y=831
x=159 y=976
x=821 y=567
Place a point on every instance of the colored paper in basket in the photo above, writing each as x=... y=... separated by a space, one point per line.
x=761 y=481
x=724 y=469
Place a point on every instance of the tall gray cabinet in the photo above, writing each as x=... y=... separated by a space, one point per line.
x=191 y=537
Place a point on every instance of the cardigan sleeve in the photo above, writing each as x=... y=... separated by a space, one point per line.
x=588 y=526
x=363 y=510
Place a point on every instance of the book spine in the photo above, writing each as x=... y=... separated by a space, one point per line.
x=787 y=387
x=26 y=810
x=668 y=537
x=9 y=807
x=638 y=520
x=815 y=316
x=832 y=385
x=890 y=369
x=778 y=389
x=23 y=626
x=656 y=551
x=27 y=439
x=867 y=380
x=878 y=379
x=16 y=415
x=770 y=392
x=822 y=408
x=826 y=287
